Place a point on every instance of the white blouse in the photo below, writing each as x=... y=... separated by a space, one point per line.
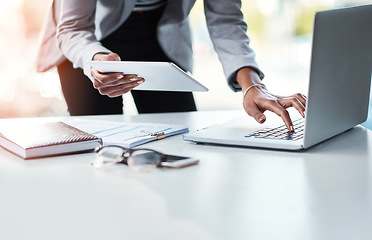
x=145 y=5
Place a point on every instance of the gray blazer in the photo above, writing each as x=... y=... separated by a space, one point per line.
x=73 y=30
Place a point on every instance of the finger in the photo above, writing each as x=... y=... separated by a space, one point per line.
x=298 y=101
x=126 y=79
x=275 y=107
x=124 y=90
x=302 y=98
x=106 y=78
x=120 y=89
x=297 y=104
x=293 y=102
x=131 y=78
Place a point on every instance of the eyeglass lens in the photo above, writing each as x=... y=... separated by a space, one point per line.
x=108 y=156
x=141 y=160
x=144 y=160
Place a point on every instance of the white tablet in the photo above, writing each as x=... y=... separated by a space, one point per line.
x=159 y=76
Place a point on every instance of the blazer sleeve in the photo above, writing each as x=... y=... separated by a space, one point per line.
x=76 y=32
x=227 y=30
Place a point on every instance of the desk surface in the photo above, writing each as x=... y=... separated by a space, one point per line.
x=233 y=193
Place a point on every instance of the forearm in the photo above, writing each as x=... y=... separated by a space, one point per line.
x=75 y=32
x=247 y=77
x=228 y=33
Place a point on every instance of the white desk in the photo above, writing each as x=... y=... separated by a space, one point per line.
x=324 y=193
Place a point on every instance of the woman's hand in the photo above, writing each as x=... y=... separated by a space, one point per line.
x=257 y=99
x=113 y=84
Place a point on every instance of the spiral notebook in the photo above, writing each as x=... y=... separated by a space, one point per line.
x=34 y=139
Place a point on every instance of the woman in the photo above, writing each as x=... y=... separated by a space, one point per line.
x=149 y=30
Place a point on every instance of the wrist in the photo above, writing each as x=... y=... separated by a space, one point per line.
x=247 y=77
x=260 y=85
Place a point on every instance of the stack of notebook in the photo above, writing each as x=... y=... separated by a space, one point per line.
x=29 y=139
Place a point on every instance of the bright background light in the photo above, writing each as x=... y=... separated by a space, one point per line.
x=280 y=32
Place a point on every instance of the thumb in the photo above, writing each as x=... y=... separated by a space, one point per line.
x=260 y=117
x=255 y=112
x=112 y=57
x=106 y=57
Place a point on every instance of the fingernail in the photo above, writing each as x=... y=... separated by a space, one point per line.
x=139 y=82
x=119 y=76
x=261 y=119
x=291 y=128
x=133 y=78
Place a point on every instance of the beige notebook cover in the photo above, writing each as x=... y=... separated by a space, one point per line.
x=39 y=139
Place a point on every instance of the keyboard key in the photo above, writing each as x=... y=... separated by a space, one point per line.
x=281 y=132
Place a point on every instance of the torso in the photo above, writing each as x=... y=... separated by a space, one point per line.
x=147 y=5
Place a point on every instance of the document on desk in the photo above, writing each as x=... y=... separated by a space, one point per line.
x=126 y=134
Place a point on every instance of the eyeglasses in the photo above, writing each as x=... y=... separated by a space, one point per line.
x=139 y=159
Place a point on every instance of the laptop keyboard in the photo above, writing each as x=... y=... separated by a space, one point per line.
x=281 y=132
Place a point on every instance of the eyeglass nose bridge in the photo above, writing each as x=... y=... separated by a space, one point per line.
x=126 y=154
x=137 y=161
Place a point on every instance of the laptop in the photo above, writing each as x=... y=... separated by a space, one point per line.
x=159 y=76
x=338 y=93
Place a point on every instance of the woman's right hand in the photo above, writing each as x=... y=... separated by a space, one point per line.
x=113 y=84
